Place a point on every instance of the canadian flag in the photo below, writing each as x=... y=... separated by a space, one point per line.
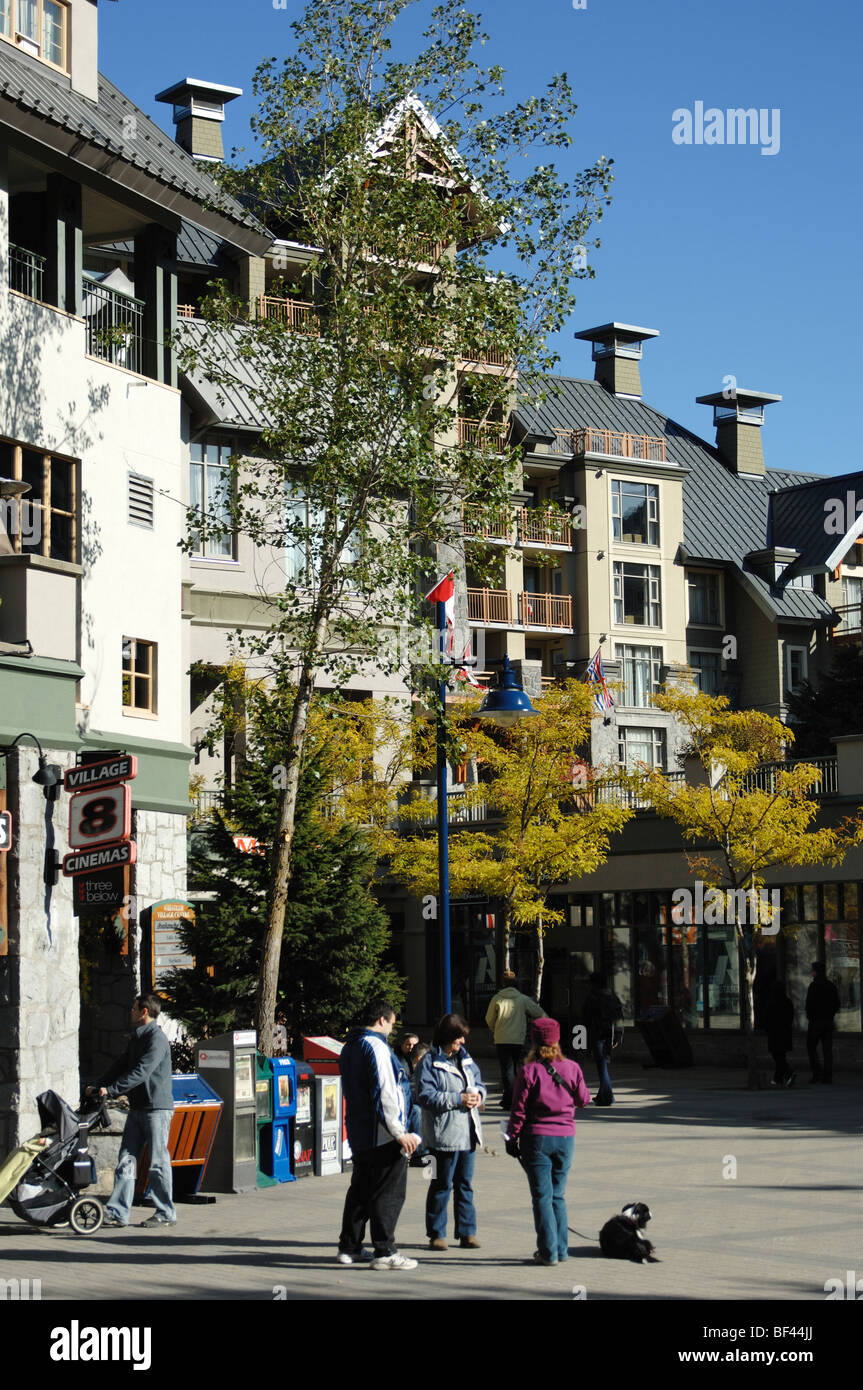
x=444 y=592
x=464 y=673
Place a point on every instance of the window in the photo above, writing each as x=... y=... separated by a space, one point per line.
x=635 y=512
x=852 y=605
x=707 y=670
x=46 y=521
x=40 y=28
x=210 y=500
x=641 y=672
x=637 y=597
x=304 y=537
x=796 y=667
x=139 y=676
x=641 y=746
x=704 y=608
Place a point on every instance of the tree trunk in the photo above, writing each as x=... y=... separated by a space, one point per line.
x=540 y=959
x=749 y=968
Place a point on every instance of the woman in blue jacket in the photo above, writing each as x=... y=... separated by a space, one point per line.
x=450 y=1093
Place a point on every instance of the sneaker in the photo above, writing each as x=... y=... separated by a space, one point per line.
x=540 y=1260
x=111 y=1220
x=158 y=1220
x=394 y=1261
x=790 y=1079
x=346 y=1258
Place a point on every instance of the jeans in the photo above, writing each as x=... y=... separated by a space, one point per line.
x=452 y=1172
x=601 y=1055
x=144 y=1129
x=509 y=1056
x=546 y=1158
x=376 y=1195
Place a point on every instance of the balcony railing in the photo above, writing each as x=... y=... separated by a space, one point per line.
x=423 y=250
x=493 y=525
x=114 y=326
x=489 y=606
x=461 y=809
x=545 y=610
x=26 y=272
x=488 y=356
x=620 y=794
x=763 y=778
x=298 y=314
x=544 y=528
x=204 y=803
x=850 y=627
x=483 y=434
x=615 y=442
x=186 y=311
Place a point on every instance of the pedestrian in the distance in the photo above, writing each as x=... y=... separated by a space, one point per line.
x=507 y=1016
x=143 y=1074
x=779 y=1017
x=377 y=1115
x=403 y=1054
x=822 y=1006
x=541 y=1133
x=601 y=1012
x=450 y=1093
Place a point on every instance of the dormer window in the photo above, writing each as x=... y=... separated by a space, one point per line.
x=39 y=27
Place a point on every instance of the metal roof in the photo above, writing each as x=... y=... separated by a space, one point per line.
x=194 y=247
x=800 y=516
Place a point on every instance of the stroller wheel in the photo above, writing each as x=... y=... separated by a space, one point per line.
x=86 y=1216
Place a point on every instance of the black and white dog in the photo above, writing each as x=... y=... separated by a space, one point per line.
x=619 y=1238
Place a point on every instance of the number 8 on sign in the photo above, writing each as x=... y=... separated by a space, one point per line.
x=5 y=830
x=100 y=817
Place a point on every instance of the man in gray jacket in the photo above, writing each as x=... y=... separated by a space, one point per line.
x=144 y=1074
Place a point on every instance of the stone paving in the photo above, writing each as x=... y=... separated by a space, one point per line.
x=786 y=1223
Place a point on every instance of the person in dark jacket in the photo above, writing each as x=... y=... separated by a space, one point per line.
x=602 y=1009
x=779 y=1017
x=822 y=1006
x=143 y=1074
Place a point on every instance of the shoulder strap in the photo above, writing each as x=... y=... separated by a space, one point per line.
x=560 y=1080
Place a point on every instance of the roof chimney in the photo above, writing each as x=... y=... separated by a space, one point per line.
x=738 y=416
x=199 y=109
x=616 y=352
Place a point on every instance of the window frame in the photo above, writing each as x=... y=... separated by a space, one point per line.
x=716 y=576
x=659 y=743
x=654 y=660
x=15 y=34
x=791 y=647
x=651 y=511
x=651 y=576
x=45 y=507
x=720 y=670
x=150 y=711
x=229 y=447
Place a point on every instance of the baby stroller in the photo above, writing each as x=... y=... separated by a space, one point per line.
x=44 y=1177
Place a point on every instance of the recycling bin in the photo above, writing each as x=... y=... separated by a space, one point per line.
x=303 y=1123
x=666 y=1041
x=197 y=1111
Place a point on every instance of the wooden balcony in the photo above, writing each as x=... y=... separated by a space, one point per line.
x=486 y=357
x=297 y=314
x=618 y=444
x=186 y=311
x=488 y=525
x=545 y=610
x=489 y=606
x=544 y=528
x=423 y=251
x=850 y=626
x=483 y=434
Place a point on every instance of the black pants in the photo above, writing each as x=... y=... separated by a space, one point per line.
x=509 y=1056
x=781 y=1068
x=820 y=1033
x=376 y=1194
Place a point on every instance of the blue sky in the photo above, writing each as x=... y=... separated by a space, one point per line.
x=747 y=263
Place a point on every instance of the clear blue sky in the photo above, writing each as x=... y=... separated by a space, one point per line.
x=748 y=264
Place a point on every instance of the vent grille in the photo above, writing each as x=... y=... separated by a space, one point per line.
x=141 y=501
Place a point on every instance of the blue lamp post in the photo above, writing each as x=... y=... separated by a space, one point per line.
x=503 y=706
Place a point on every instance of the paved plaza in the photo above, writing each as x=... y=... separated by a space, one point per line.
x=786 y=1223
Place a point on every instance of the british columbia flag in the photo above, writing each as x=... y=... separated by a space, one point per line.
x=595 y=675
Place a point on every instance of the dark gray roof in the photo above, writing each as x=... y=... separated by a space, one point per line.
x=194 y=247
x=233 y=402
x=724 y=515
x=801 y=517
x=117 y=127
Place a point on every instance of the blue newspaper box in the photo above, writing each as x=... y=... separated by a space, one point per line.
x=277 y=1141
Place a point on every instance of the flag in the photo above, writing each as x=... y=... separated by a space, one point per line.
x=464 y=673
x=444 y=592
x=595 y=674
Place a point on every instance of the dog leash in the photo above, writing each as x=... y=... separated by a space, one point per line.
x=573 y=1231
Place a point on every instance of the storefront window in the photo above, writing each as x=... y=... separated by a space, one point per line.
x=842 y=947
x=723 y=977
x=617 y=959
x=801 y=949
x=652 y=967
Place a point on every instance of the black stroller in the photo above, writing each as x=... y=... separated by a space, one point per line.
x=44 y=1177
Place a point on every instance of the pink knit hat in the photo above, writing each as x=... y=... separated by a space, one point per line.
x=545 y=1032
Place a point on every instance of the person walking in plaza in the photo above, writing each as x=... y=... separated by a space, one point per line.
x=541 y=1133
x=507 y=1016
x=602 y=1009
x=143 y=1074
x=822 y=1006
x=402 y=1052
x=381 y=1143
x=779 y=1018
x=450 y=1092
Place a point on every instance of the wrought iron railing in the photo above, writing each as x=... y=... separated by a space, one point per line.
x=26 y=272
x=763 y=778
x=115 y=326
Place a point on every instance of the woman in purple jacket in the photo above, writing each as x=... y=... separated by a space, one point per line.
x=541 y=1133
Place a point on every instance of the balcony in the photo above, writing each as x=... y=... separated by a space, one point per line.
x=538 y=528
x=850 y=626
x=186 y=311
x=425 y=251
x=115 y=326
x=545 y=610
x=490 y=606
x=486 y=524
x=483 y=434
x=763 y=777
x=300 y=315
x=486 y=357
x=618 y=444
x=462 y=808
x=26 y=272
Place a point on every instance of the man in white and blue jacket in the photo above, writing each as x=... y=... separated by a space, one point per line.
x=379 y=1139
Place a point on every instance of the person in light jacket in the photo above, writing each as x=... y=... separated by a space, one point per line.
x=507 y=1016
x=450 y=1092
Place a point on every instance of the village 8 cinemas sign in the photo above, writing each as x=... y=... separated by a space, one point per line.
x=100 y=816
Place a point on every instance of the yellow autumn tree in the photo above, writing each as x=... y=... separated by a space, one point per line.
x=743 y=829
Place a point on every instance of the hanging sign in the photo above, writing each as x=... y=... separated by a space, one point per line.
x=101 y=774
x=94 y=860
x=101 y=817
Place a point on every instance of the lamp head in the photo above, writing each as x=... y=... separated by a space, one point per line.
x=508 y=703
